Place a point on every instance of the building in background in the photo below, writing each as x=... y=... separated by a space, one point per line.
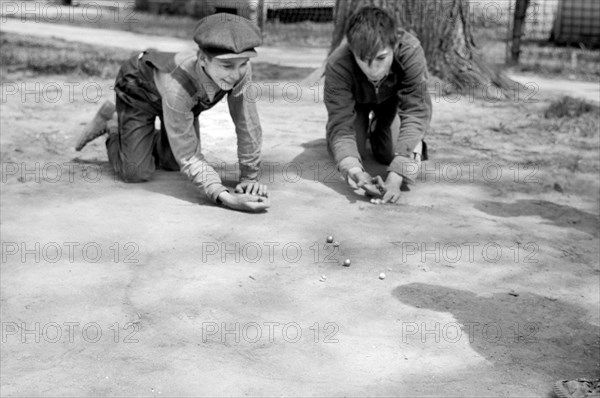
x=577 y=22
x=256 y=10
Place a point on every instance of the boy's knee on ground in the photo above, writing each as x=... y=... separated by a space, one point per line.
x=132 y=173
x=383 y=155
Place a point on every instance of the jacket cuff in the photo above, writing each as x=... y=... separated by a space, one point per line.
x=214 y=190
x=248 y=173
x=347 y=163
x=407 y=167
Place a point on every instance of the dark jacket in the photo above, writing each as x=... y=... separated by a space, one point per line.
x=346 y=85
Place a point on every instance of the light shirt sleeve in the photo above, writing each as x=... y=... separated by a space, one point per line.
x=244 y=114
x=184 y=137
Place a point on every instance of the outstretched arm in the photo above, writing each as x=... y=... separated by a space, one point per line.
x=414 y=111
x=182 y=130
x=341 y=133
x=249 y=137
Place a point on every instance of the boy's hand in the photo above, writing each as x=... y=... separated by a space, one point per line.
x=391 y=187
x=362 y=179
x=245 y=202
x=252 y=188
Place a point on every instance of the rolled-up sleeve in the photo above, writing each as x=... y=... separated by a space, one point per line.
x=248 y=130
x=414 y=109
x=184 y=137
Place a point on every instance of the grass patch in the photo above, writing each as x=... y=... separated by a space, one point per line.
x=47 y=56
x=569 y=107
x=120 y=19
x=575 y=118
x=301 y=34
x=275 y=33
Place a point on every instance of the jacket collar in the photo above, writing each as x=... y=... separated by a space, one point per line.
x=205 y=83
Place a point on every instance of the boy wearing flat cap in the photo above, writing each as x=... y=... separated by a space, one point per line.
x=375 y=90
x=177 y=87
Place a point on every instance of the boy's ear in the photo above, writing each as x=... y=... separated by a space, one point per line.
x=203 y=58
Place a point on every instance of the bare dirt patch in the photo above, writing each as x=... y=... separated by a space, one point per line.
x=491 y=260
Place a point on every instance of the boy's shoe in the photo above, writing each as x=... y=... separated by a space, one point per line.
x=580 y=388
x=97 y=126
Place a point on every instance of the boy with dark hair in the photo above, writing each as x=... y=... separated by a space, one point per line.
x=177 y=88
x=376 y=90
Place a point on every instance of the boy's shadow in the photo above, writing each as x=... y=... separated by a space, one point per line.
x=318 y=165
x=170 y=183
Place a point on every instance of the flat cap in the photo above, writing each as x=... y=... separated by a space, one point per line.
x=226 y=35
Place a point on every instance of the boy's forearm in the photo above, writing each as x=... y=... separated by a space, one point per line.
x=406 y=167
x=204 y=177
x=340 y=103
x=249 y=136
x=348 y=165
x=249 y=172
x=342 y=147
x=414 y=111
x=415 y=108
x=415 y=116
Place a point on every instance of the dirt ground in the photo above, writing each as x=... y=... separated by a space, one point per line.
x=491 y=260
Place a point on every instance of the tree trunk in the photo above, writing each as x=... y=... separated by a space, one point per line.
x=142 y=5
x=518 y=25
x=444 y=29
x=261 y=14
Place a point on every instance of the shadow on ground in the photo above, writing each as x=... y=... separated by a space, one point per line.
x=559 y=215
x=170 y=183
x=321 y=165
x=523 y=331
